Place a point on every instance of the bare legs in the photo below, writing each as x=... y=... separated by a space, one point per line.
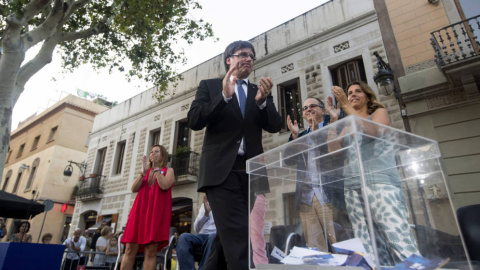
x=129 y=257
x=150 y=256
x=131 y=250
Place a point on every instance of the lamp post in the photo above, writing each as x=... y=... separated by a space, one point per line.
x=384 y=78
x=67 y=172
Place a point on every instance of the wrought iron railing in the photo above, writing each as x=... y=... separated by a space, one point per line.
x=89 y=188
x=456 y=42
x=186 y=164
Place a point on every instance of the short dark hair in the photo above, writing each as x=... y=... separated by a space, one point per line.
x=319 y=101
x=233 y=47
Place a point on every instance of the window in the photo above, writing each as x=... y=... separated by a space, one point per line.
x=66 y=228
x=7 y=178
x=119 y=157
x=348 y=72
x=53 y=132
x=8 y=155
x=100 y=161
x=468 y=9
x=20 y=150
x=154 y=137
x=32 y=174
x=292 y=216
x=290 y=102
x=35 y=142
x=19 y=177
x=182 y=138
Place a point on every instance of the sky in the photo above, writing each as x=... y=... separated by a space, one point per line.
x=231 y=20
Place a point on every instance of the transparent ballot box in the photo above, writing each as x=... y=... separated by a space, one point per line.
x=353 y=193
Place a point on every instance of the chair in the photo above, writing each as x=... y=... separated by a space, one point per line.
x=163 y=256
x=197 y=254
x=120 y=254
x=284 y=237
x=469 y=221
x=167 y=253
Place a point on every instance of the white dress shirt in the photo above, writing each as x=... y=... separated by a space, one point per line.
x=204 y=224
x=73 y=254
x=241 y=151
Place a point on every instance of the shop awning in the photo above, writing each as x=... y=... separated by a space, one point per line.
x=14 y=206
x=95 y=227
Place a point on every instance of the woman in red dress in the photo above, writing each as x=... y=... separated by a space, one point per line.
x=148 y=224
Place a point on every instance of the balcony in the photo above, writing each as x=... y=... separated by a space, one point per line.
x=89 y=189
x=457 y=54
x=457 y=42
x=186 y=167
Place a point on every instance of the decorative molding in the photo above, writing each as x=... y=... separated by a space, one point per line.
x=315 y=39
x=367 y=37
x=446 y=99
x=420 y=66
x=287 y=68
x=341 y=47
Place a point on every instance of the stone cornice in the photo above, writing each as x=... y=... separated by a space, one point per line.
x=176 y=99
x=340 y=29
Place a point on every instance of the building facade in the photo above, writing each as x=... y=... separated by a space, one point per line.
x=328 y=45
x=40 y=149
x=435 y=56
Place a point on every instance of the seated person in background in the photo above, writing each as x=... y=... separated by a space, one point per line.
x=74 y=245
x=46 y=238
x=189 y=243
x=3 y=228
x=22 y=235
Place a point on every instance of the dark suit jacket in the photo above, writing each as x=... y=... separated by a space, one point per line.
x=225 y=128
x=332 y=187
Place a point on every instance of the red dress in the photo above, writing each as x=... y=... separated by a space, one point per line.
x=150 y=216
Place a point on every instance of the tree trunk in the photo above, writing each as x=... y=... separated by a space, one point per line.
x=10 y=61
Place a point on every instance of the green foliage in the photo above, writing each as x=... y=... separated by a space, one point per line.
x=182 y=149
x=75 y=190
x=146 y=33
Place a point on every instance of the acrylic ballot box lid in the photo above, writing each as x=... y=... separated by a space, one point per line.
x=358 y=184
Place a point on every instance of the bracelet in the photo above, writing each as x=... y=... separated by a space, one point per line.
x=156 y=170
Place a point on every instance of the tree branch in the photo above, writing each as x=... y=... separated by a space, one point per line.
x=32 y=9
x=77 y=5
x=47 y=28
x=80 y=34
x=43 y=57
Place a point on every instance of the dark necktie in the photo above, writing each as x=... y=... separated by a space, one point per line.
x=241 y=96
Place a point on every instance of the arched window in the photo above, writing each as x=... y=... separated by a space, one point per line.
x=7 y=177
x=32 y=173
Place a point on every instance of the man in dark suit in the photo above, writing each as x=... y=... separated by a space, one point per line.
x=318 y=195
x=234 y=112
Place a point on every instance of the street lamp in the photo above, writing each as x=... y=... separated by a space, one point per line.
x=67 y=172
x=384 y=78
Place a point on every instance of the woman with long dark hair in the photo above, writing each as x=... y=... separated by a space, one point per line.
x=148 y=224
x=22 y=235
